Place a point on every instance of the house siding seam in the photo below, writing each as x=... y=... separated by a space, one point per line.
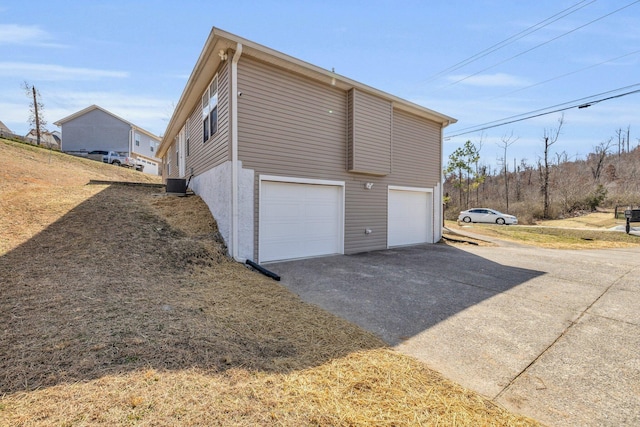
x=350 y=129
x=289 y=125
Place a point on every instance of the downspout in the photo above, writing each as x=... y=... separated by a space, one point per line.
x=234 y=152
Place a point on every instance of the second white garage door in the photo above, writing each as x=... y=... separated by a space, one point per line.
x=409 y=217
x=299 y=220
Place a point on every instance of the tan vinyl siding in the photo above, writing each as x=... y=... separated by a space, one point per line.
x=206 y=155
x=292 y=126
x=369 y=134
x=416 y=151
x=365 y=209
x=170 y=159
x=289 y=124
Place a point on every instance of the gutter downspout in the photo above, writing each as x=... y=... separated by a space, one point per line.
x=234 y=152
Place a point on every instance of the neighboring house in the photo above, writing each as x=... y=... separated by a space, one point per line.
x=95 y=128
x=47 y=139
x=57 y=136
x=4 y=130
x=296 y=161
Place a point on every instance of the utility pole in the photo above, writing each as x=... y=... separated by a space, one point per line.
x=35 y=105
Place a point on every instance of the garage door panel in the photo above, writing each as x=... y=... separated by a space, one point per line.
x=299 y=220
x=409 y=217
x=283 y=211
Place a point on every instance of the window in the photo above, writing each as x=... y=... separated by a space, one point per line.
x=210 y=110
x=137 y=140
x=177 y=158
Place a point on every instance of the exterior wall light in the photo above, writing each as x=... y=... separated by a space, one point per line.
x=368 y=185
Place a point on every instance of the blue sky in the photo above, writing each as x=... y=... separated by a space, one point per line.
x=134 y=57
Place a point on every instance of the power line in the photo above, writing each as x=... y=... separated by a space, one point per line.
x=530 y=30
x=579 y=103
x=581 y=100
x=565 y=75
x=541 y=44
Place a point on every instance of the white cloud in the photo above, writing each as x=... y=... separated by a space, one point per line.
x=52 y=72
x=492 y=80
x=25 y=35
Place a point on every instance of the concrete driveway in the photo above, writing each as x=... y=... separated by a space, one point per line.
x=551 y=334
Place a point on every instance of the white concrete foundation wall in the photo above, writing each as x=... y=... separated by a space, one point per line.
x=214 y=187
x=246 y=208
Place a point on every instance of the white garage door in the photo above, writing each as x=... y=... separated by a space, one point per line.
x=409 y=217
x=300 y=220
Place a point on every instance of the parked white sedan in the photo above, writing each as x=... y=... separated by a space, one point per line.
x=486 y=215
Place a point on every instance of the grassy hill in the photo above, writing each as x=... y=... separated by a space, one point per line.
x=119 y=306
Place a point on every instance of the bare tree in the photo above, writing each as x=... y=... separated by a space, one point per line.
x=628 y=138
x=561 y=158
x=600 y=154
x=36 y=110
x=550 y=137
x=518 y=171
x=506 y=142
x=621 y=136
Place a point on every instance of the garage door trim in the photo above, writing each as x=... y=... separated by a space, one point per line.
x=296 y=180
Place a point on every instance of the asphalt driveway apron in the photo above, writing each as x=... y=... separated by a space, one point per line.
x=551 y=334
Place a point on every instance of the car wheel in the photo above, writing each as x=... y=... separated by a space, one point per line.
x=500 y=221
x=466 y=219
x=116 y=163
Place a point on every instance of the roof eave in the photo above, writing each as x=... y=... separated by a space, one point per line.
x=222 y=40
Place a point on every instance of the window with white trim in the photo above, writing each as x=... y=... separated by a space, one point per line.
x=210 y=110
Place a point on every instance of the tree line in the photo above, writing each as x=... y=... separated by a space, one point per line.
x=553 y=187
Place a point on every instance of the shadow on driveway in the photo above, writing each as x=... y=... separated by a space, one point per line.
x=399 y=293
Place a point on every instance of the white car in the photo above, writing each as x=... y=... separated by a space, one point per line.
x=486 y=215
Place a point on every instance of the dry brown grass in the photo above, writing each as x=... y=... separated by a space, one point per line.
x=602 y=220
x=39 y=186
x=567 y=234
x=119 y=307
